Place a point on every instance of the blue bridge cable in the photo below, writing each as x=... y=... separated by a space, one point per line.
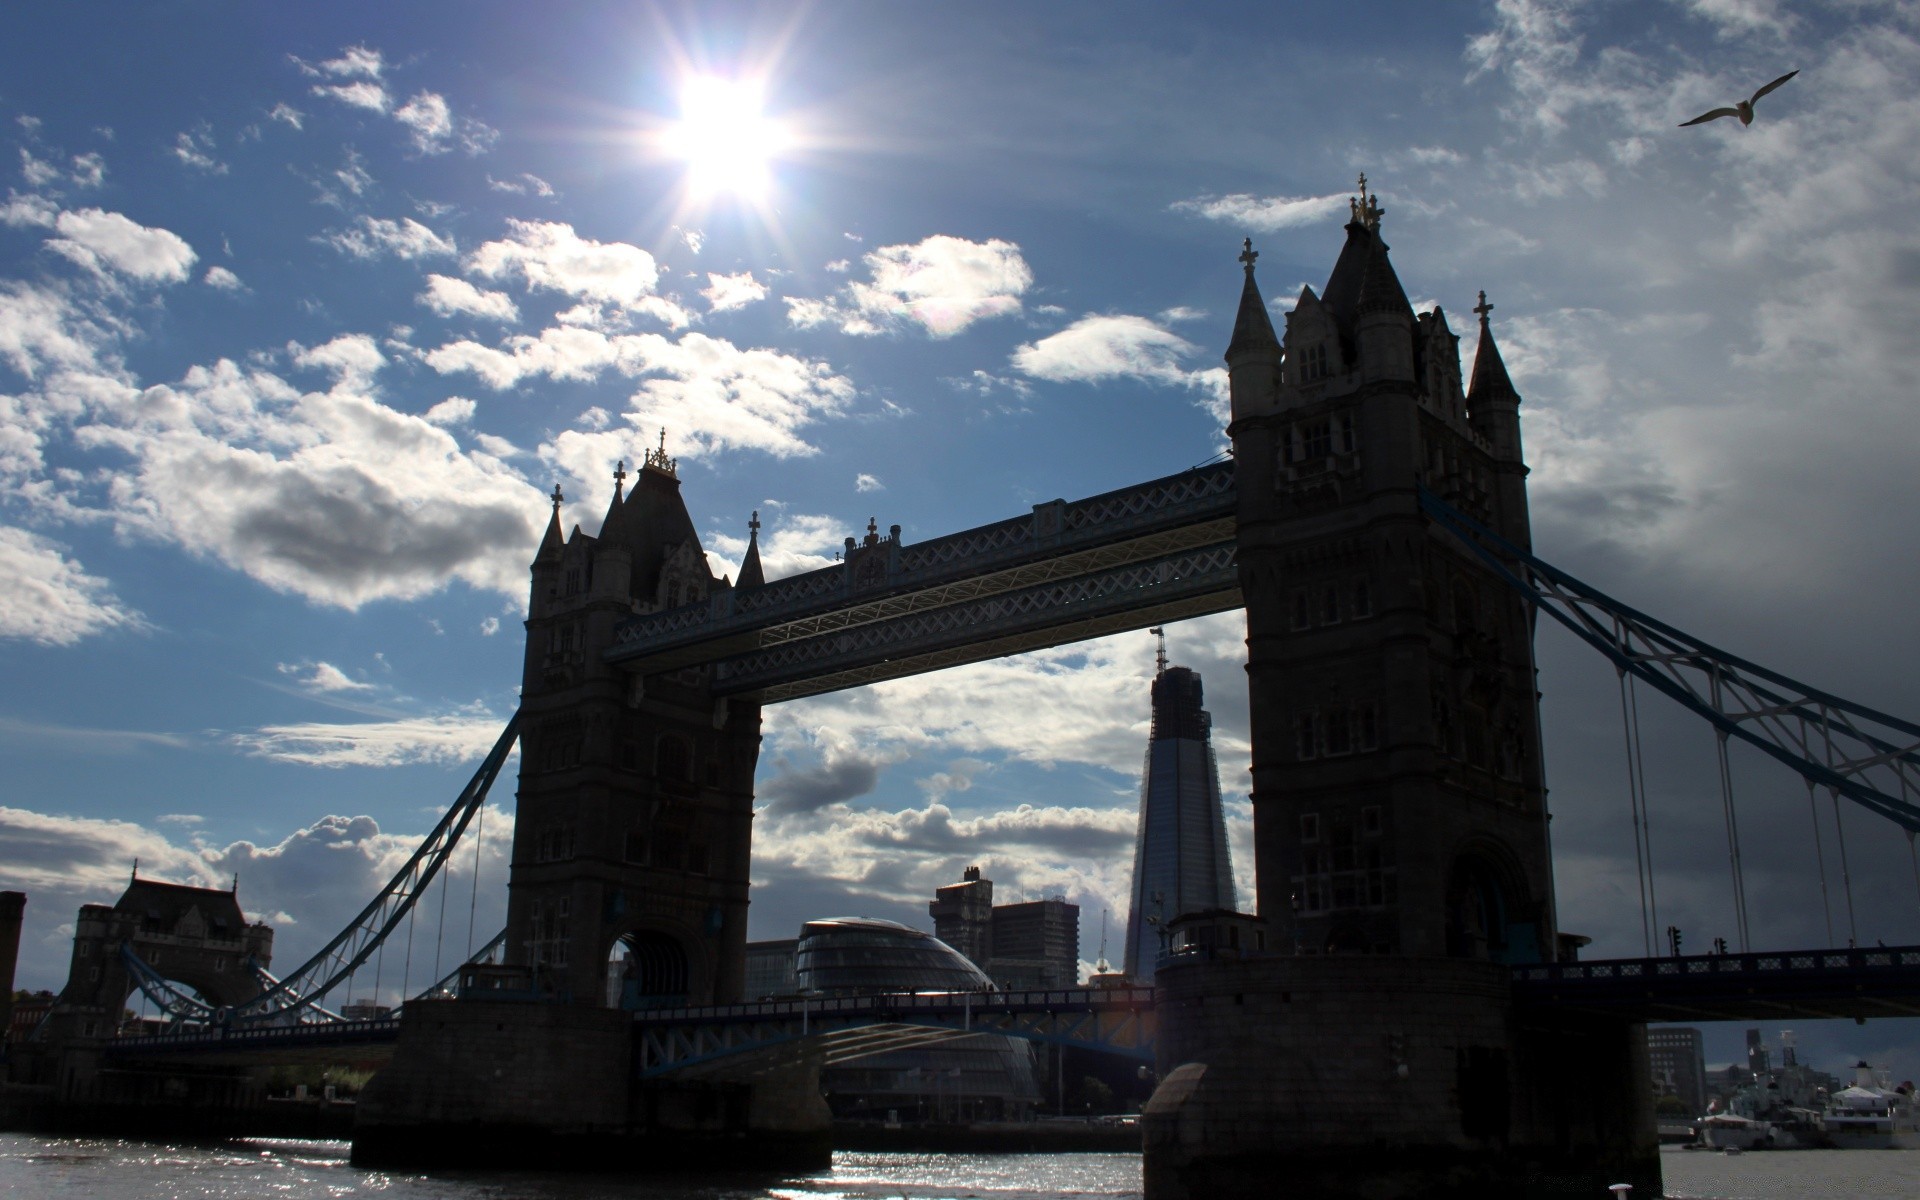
x=1773 y=702
x=368 y=932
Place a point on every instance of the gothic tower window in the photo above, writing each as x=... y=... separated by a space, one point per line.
x=673 y=759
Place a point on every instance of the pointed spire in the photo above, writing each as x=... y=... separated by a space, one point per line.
x=551 y=544
x=611 y=524
x=750 y=573
x=1491 y=383
x=1252 y=327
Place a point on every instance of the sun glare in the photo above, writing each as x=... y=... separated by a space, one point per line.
x=727 y=142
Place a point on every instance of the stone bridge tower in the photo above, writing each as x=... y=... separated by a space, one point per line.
x=1400 y=821
x=631 y=845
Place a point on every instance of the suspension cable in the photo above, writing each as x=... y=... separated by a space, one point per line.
x=1840 y=835
x=1820 y=854
x=379 y=965
x=440 y=933
x=406 y=974
x=473 y=904
x=1633 y=803
x=1646 y=800
x=1733 y=826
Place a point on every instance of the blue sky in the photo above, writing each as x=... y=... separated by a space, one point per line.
x=302 y=313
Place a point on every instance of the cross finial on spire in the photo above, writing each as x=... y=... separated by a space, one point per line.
x=1483 y=308
x=1366 y=207
x=556 y=498
x=753 y=525
x=1248 y=253
x=619 y=473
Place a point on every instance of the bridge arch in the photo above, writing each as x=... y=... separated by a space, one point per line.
x=653 y=966
x=1490 y=912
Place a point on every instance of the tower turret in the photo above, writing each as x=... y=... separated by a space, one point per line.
x=750 y=573
x=1253 y=355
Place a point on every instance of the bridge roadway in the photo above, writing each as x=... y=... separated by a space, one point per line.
x=1143 y=555
x=1880 y=981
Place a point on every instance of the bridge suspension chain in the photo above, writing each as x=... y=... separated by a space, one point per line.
x=1869 y=757
x=286 y=999
x=1637 y=801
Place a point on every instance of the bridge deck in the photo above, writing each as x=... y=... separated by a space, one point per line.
x=1883 y=981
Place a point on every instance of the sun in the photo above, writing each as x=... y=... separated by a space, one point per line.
x=727 y=142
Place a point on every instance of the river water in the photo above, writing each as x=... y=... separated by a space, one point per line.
x=103 y=1169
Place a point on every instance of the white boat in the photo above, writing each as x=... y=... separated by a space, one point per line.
x=1870 y=1115
x=1733 y=1133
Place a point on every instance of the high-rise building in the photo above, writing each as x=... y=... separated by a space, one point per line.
x=1033 y=944
x=963 y=916
x=1678 y=1059
x=1180 y=862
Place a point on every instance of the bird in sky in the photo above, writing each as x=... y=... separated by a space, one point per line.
x=1744 y=109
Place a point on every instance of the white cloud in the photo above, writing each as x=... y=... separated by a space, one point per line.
x=323 y=677
x=446 y=295
x=332 y=496
x=225 y=280
x=864 y=482
x=89 y=170
x=490 y=626
x=99 y=240
x=352 y=358
x=429 y=121
x=405 y=238
x=724 y=292
x=38 y=171
x=711 y=393
x=1263 y=214
x=527 y=184
x=362 y=62
x=446 y=739
x=942 y=284
x=47 y=597
x=550 y=255
x=287 y=114
x=1097 y=348
x=195 y=148
x=454 y=410
x=28 y=210
x=359 y=94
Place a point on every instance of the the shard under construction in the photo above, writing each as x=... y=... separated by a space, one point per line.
x=1180 y=862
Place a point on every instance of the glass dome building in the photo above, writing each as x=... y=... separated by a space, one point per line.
x=978 y=1077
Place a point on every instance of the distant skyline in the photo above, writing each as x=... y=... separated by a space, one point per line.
x=304 y=313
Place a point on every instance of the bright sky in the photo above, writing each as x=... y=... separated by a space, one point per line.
x=304 y=311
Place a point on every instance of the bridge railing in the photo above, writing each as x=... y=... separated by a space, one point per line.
x=242 y=1036
x=881 y=1004
x=1160 y=502
x=1762 y=963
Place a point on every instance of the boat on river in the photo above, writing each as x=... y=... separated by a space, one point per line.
x=1870 y=1115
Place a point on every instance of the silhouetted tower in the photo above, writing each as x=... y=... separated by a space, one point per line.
x=1397 y=796
x=1180 y=862
x=631 y=845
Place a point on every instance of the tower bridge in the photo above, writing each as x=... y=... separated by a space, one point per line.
x=1403 y=1035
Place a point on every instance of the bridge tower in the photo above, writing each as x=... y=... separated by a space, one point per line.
x=631 y=844
x=1400 y=820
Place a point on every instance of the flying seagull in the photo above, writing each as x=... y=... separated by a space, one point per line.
x=1744 y=109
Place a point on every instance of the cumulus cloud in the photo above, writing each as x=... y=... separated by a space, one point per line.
x=1097 y=348
x=49 y=598
x=89 y=170
x=361 y=93
x=1263 y=214
x=31 y=209
x=942 y=284
x=372 y=237
x=308 y=884
x=332 y=496
x=724 y=292
x=223 y=279
x=454 y=410
x=103 y=241
x=550 y=256
x=287 y=114
x=864 y=482
x=710 y=392
x=352 y=358
x=428 y=120
x=525 y=185
x=447 y=296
